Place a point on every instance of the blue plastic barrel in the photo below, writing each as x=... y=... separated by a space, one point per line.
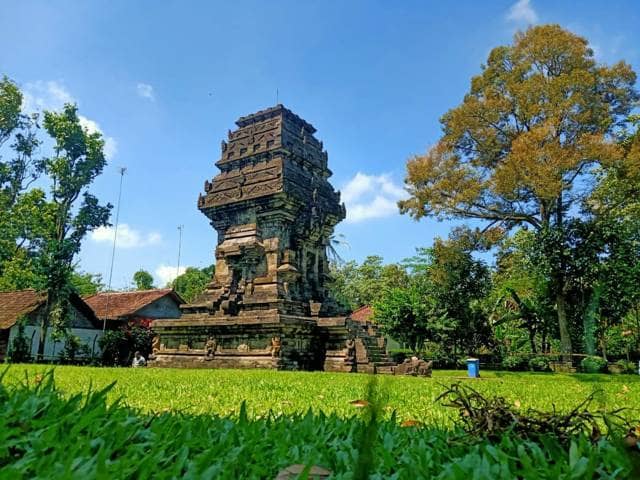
x=473 y=367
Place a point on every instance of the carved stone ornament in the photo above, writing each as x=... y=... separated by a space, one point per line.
x=210 y=347
x=276 y=345
x=350 y=354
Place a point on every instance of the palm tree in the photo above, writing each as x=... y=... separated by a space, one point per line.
x=336 y=240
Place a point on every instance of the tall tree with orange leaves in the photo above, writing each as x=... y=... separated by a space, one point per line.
x=522 y=147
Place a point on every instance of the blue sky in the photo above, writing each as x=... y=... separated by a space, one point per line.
x=165 y=80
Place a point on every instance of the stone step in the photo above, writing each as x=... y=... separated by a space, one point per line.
x=376 y=349
x=385 y=370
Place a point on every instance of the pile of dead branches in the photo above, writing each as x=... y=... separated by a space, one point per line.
x=491 y=417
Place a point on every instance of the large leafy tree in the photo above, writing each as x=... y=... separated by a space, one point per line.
x=354 y=285
x=439 y=301
x=521 y=147
x=72 y=211
x=20 y=208
x=143 y=280
x=406 y=314
x=85 y=283
x=193 y=282
x=519 y=302
x=605 y=259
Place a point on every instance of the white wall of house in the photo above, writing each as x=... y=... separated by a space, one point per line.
x=88 y=336
x=164 y=307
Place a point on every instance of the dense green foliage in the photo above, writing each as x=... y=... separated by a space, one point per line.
x=593 y=364
x=118 y=346
x=354 y=285
x=77 y=159
x=193 y=282
x=21 y=208
x=19 y=350
x=42 y=227
x=142 y=280
x=563 y=215
x=523 y=149
x=48 y=435
x=85 y=283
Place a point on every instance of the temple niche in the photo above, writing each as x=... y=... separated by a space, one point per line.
x=267 y=306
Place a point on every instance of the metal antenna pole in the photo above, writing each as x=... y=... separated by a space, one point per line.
x=180 y=227
x=277 y=96
x=113 y=251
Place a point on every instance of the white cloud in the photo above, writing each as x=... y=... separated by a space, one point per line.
x=167 y=273
x=110 y=145
x=51 y=95
x=127 y=237
x=522 y=12
x=146 y=91
x=42 y=95
x=371 y=196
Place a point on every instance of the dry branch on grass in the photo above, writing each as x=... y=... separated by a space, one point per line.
x=491 y=417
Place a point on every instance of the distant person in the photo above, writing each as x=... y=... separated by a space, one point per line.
x=138 y=360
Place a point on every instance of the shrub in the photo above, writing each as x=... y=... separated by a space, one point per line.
x=114 y=347
x=118 y=346
x=626 y=366
x=399 y=355
x=593 y=364
x=73 y=348
x=444 y=360
x=539 y=364
x=19 y=350
x=514 y=362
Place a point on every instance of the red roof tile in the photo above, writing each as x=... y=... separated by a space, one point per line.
x=363 y=314
x=115 y=305
x=13 y=305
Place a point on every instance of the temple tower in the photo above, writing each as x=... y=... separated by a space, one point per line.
x=268 y=306
x=274 y=210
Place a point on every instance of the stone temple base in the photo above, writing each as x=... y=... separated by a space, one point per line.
x=282 y=343
x=197 y=359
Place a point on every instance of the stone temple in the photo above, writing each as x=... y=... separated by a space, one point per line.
x=267 y=305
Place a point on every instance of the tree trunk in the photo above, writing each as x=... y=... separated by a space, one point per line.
x=559 y=276
x=590 y=319
x=44 y=326
x=43 y=333
x=563 y=324
x=532 y=340
x=603 y=339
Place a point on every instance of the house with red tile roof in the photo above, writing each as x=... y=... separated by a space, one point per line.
x=363 y=314
x=27 y=307
x=136 y=306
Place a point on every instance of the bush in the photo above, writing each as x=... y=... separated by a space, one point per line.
x=19 y=350
x=400 y=355
x=626 y=366
x=593 y=364
x=539 y=364
x=73 y=348
x=514 y=362
x=118 y=346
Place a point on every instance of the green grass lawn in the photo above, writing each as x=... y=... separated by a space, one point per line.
x=190 y=424
x=222 y=391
